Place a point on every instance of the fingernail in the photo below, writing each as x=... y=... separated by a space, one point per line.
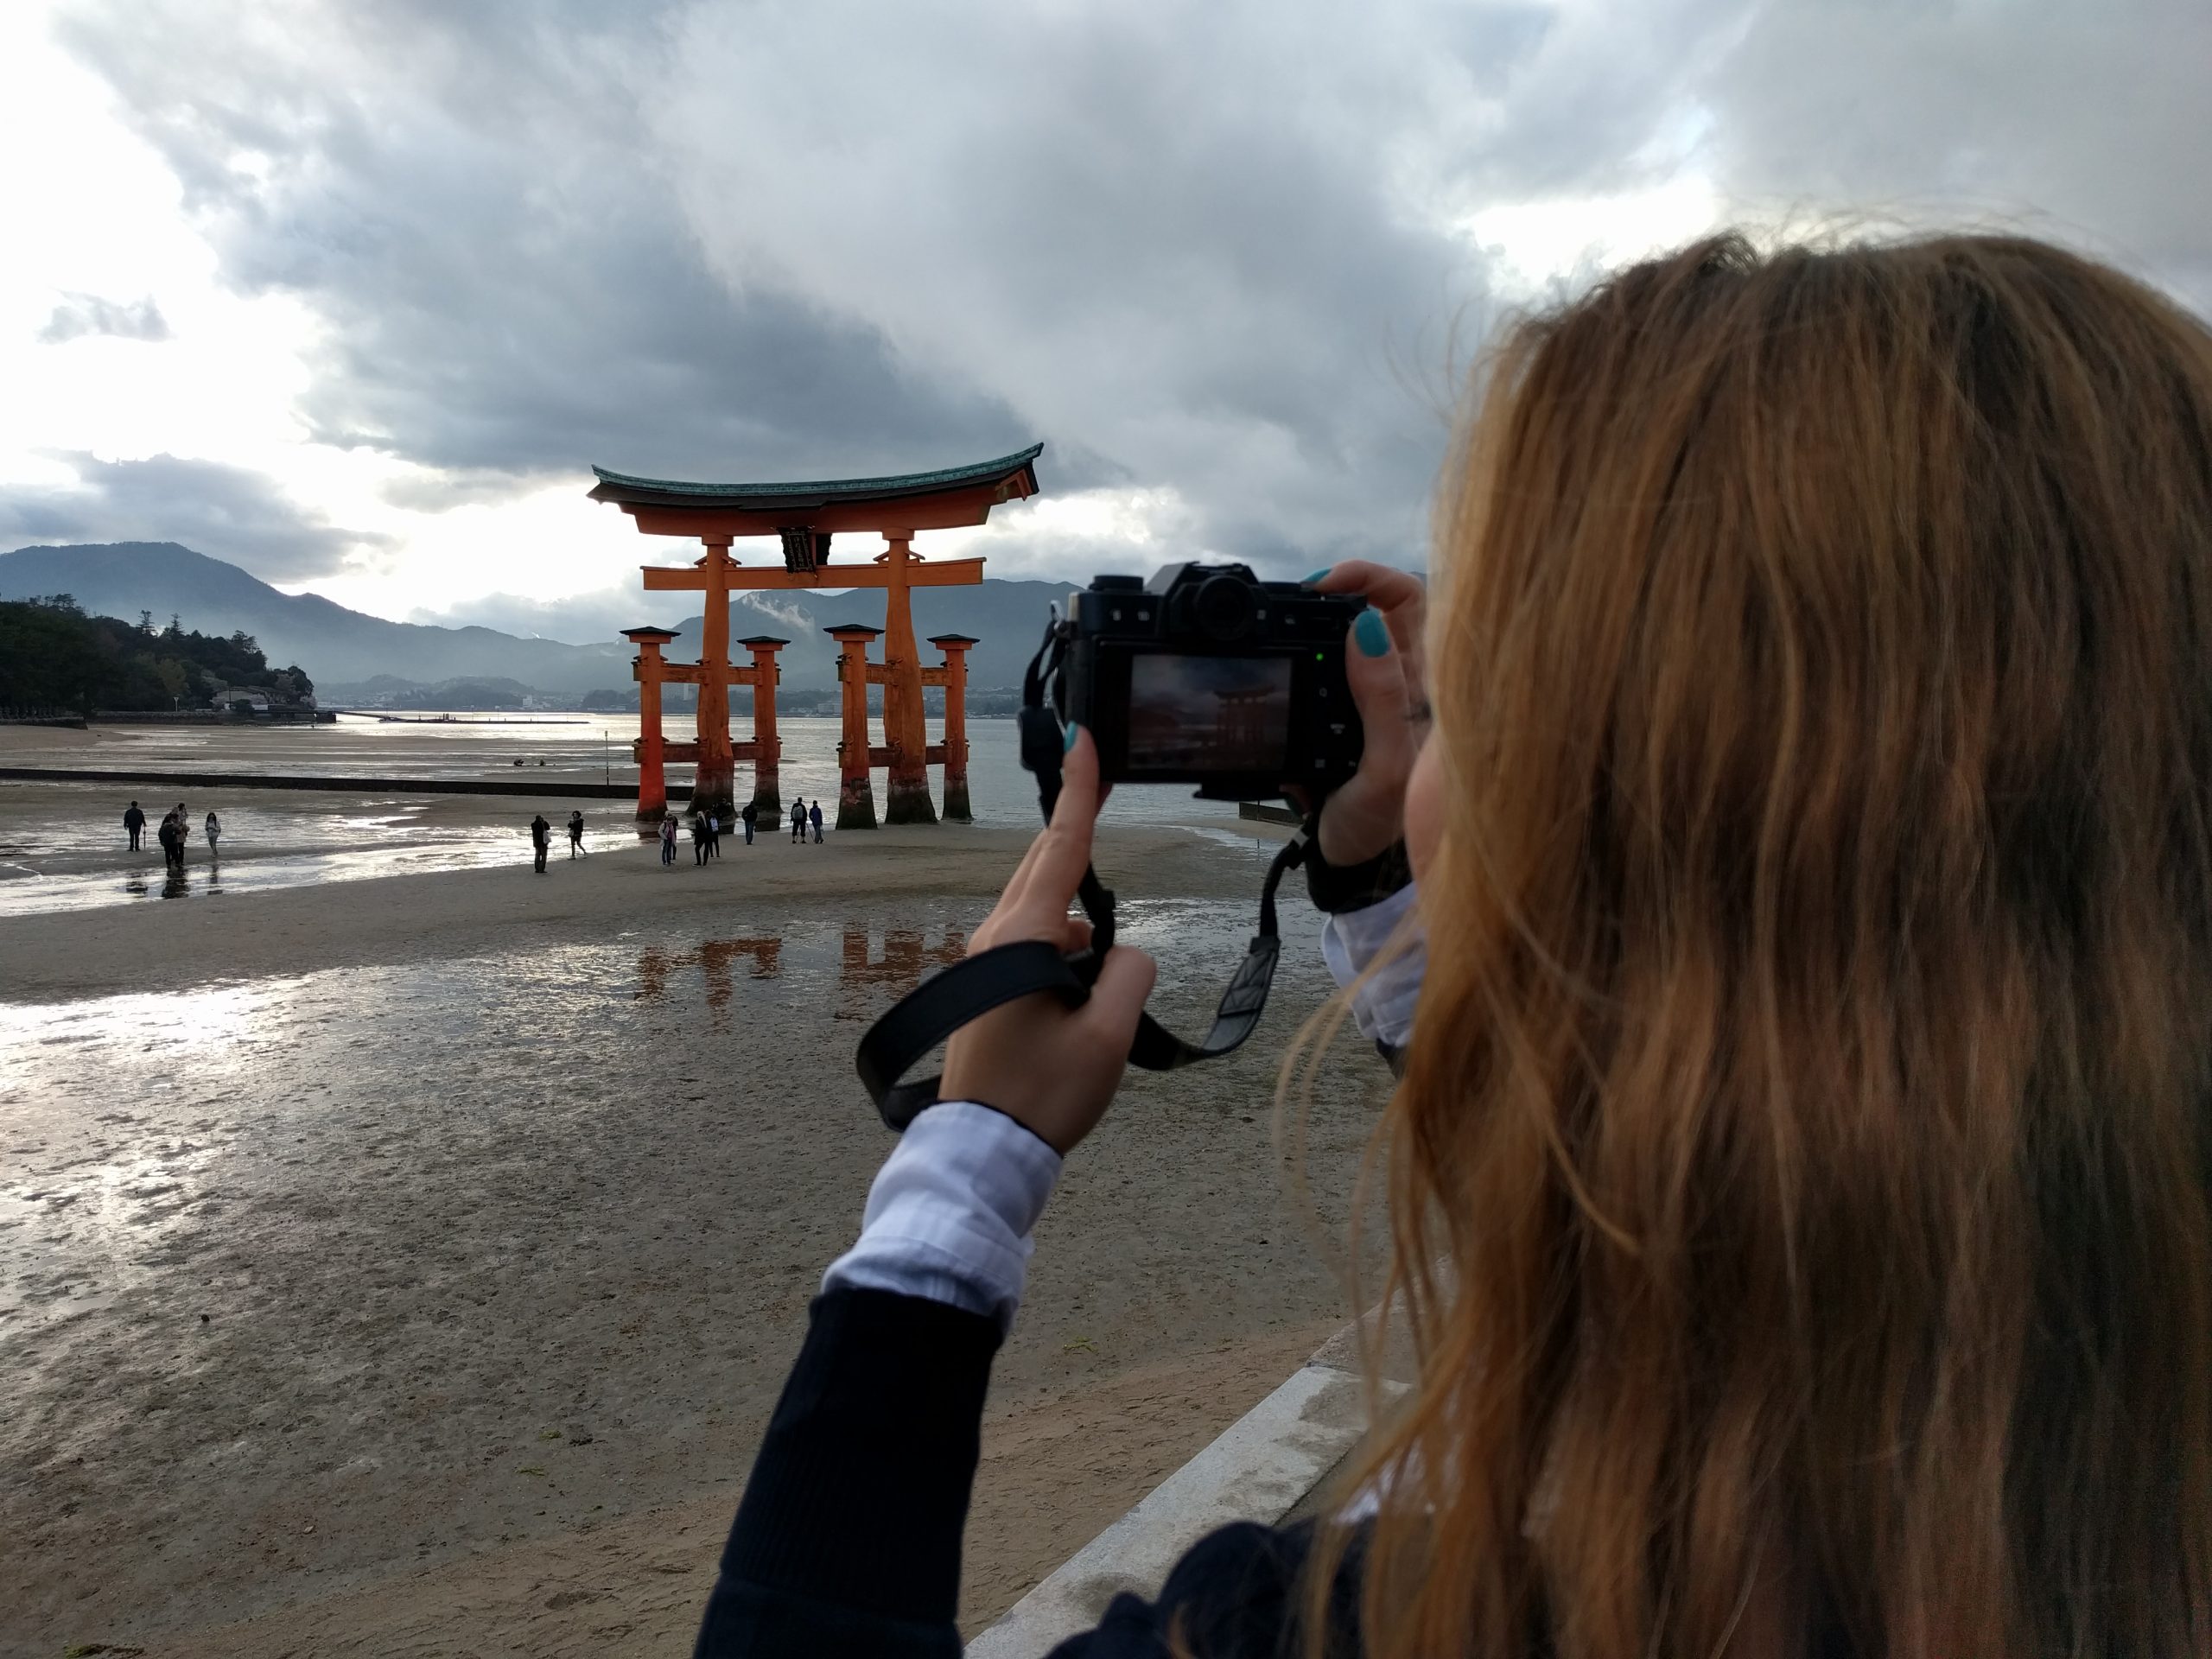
x=1371 y=634
x=1313 y=576
x=1067 y=740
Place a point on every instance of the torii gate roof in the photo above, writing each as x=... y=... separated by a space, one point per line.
x=951 y=495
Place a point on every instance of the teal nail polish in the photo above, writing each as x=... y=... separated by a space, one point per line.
x=1067 y=739
x=1371 y=633
x=1313 y=576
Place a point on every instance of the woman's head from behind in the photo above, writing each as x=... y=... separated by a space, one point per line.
x=1807 y=1100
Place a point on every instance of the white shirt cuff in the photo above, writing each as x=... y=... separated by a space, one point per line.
x=1352 y=942
x=950 y=1213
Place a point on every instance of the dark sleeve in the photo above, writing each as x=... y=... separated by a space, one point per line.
x=847 y=1541
x=1238 y=1594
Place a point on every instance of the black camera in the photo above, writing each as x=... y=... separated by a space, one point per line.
x=1206 y=675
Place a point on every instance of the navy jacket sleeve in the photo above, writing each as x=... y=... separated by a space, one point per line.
x=847 y=1541
x=848 y=1538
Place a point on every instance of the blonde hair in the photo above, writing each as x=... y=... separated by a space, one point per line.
x=1799 y=1181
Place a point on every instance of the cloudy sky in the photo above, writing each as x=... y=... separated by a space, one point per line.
x=354 y=293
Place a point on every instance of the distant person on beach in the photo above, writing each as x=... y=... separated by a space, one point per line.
x=214 y=826
x=698 y=838
x=814 y=816
x=134 y=822
x=746 y=818
x=668 y=841
x=182 y=839
x=575 y=833
x=166 y=836
x=541 y=839
x=713 y=834
x=798 y=819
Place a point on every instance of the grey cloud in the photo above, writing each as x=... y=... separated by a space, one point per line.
x=79 y=314
x=506 y=282
x=2082 y=122
x=1211 y=251
x=229 y=513
x=538 y=243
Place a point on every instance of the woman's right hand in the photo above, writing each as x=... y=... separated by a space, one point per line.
x=1382 y=663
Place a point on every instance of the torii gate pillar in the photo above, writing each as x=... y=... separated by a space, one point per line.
x=650 y=669
x=953 y=676
x=906 y=794
x=855 y=795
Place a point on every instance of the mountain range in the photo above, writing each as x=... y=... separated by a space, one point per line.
x=341 y=648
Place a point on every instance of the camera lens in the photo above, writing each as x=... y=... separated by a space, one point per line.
x=1223 y=608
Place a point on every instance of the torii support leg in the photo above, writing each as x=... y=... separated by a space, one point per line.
x=767 y=747
x=907 y=796
x=855 y=798
x=955 y=731
x=714 y=788
x=652 y=758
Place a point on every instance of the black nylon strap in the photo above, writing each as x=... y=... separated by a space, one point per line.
x=941 y=1004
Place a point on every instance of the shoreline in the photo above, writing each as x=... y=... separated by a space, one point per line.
x=413 y=1260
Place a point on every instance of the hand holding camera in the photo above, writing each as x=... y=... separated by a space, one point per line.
x=997 y=1058
x=1384 y=671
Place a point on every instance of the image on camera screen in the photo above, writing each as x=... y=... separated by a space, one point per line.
x=1208 y=714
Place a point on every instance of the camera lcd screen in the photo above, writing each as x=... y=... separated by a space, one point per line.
x=1208 y=714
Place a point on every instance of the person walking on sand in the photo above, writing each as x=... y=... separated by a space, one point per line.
x=541 y=839
x=713 y=834
x=798 y=819
x=166 y=836
x=575 y=833
x=814 y=816
x=182 y=839
x=134 y=822
x=215 y=828
x=747 y=818
x=698 y=838
x=668 y=841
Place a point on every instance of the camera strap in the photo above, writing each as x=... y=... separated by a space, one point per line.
x=941 y=1004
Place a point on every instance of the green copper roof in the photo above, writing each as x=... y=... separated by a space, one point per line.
x=616 y=486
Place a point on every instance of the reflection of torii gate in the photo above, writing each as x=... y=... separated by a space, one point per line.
x=804 y=516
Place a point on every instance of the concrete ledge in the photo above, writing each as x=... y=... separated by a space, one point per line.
x=1264 y=1467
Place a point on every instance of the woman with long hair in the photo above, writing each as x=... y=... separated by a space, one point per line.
x=1799 y=1188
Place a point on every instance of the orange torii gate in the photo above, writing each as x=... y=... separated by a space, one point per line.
x=804 y=516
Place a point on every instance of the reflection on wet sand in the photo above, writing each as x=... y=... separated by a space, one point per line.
x=864 y=977
x=905 y=958
x=714 y=958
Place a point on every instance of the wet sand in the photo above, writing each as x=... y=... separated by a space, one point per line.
x=408 y=1264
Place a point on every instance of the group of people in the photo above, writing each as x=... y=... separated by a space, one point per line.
x=707 y=829
x=175 y=832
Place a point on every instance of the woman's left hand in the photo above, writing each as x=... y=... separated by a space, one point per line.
x=1052 y=1068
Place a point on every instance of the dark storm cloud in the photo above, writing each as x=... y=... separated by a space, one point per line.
x=79 y=314
x=1217 y=253
x=695 y=240
x=227 y=512
x=465 y=198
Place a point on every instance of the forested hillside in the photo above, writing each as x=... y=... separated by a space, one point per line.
x=54 y=656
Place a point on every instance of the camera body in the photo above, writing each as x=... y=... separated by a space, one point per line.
x=1206 y=675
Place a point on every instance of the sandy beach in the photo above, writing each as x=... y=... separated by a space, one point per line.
x=406 y=1263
